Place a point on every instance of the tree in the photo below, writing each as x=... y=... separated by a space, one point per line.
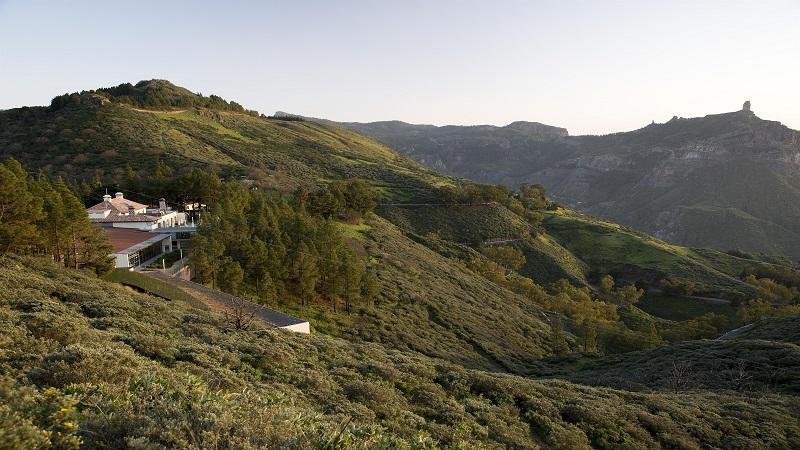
x=607 y=285
x=507 y=256
x=352 y=271
x=680 y=376
x=587 y=331
x=677 y=286
x=19 y=209
x=754 y=310
x=304 y=272
x=628 y=295
x=96 y=251
x=370 y=286
x=258 y=263
x=533 y=195
x=558 y=340
x=239 y=314
x=81 y=240
x=206 y=257
x=231 y=276
x=359 y=197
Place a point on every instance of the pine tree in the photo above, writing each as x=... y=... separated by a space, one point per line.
x=370 y=286
x=87 y=246
x=19 y=209
x=74 y=227
x=258 y=263
x=305 y=272
x=231 y=276
x=351 y=273
x=206 y=256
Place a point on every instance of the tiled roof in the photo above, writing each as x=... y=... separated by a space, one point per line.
x=118 y=204
x=105 y=206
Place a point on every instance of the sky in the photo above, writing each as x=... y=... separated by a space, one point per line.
x=593 y=67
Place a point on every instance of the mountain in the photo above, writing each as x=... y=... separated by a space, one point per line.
x=725 y=181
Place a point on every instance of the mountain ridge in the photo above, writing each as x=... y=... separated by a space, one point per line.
x=657 y=178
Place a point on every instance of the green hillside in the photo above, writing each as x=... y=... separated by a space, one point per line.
x=782 y=329
x=92 y=362
x=101 y=138
x=610 y=248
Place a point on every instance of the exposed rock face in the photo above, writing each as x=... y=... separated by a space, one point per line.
x=725 y=180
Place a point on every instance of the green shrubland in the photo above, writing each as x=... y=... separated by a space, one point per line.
x=89 y=363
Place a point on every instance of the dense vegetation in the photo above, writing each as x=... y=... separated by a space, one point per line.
x=149 y=94
x=42 y=217
x=94 y=364
x=258 y=241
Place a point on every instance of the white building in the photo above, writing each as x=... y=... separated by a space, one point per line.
x=119 y=212
x=134 y=248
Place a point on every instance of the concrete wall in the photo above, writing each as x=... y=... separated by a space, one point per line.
x=121 y=260
x=144 y=226
x=304 y=328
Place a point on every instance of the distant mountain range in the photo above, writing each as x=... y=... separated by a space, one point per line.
x=727 y=181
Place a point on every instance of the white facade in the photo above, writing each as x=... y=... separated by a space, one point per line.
x=302 y=327
x=119 y=212
x=142 y=252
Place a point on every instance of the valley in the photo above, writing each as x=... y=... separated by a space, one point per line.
x=697 y=182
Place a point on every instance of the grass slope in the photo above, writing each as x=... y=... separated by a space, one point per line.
x=782 y=329
x=84 y=142
x=431 y=305
x=607 y=247
x=89 y=360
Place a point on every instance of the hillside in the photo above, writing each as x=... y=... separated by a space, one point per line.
x=100 y=138
x=93 y=362
x=725 y=181
x=610 y=248
x=747 y=364
x=781 y=329
x=438 y=295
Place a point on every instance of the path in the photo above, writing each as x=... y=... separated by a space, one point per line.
x=713 y=300
x=498 y=241
x=735 y=332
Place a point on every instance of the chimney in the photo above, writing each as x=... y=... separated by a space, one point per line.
x=106 y=198
x=162 y=204
x=118 y=194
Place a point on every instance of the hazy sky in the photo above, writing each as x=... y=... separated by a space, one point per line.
x=592 y=67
